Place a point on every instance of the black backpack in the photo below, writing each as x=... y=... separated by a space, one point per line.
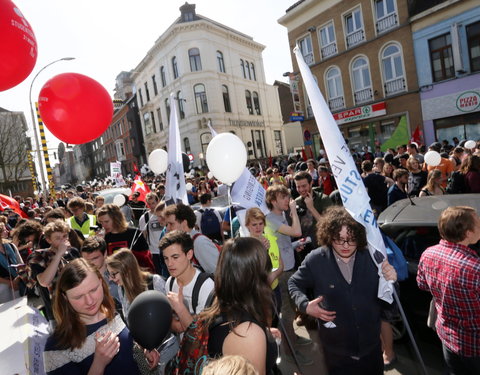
x=202 y=277
x=456 y=183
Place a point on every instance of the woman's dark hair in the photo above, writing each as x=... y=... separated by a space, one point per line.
x=70 y=331
x=331 y=223
x=241 y=283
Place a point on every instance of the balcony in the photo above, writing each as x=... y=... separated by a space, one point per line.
x=363 y=96
x=329 y=50
x=387 y=22
x=355 y=38
x=394 y=86
x=308 y=57
x=336 y=103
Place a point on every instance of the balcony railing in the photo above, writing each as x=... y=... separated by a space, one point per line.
x=355 y=38
x=309 y=58
x=395 y=86
x=387 y=22
x=336 y=103
x=329 y=50
x=363 y=96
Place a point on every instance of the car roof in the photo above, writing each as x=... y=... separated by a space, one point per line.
x=425 y=211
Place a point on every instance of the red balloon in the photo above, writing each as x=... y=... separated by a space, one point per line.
x=18 y=48
x=75 y=108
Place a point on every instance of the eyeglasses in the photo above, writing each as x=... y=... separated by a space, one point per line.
x=111 y=275
x=341 y=242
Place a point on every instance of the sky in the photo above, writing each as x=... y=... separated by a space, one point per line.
x=110 y=36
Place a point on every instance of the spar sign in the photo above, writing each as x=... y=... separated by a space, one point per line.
x=360 y=113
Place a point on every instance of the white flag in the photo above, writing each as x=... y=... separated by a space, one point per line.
x=175 y=191
x=354 y=195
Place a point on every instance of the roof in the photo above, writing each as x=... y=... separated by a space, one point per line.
x=294 y=6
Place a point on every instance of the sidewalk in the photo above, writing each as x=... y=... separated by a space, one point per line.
x=407 y=363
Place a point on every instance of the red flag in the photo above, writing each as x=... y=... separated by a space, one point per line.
x=417 y=136
x=304 y=155
x=135 y=169
x=140 y=187
x=8 y=202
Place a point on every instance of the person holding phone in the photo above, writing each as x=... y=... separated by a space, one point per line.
x=344 y=280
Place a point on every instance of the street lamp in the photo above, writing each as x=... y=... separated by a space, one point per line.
x=37 y=142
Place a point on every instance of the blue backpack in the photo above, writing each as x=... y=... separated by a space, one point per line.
x=209 y=223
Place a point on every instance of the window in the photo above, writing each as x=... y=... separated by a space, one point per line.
x=328 y=44
x=242 y=65
x=195 y=62
x=354 y=28
x=441 y=57
x=473 y=41
x=248 y=98
x=334 y=89
x=386 y=16
x=200 y=98
x=305 y=45
x=141 y=97
x=147 y=93
x=120 y=148
x=186 y=143
x=392 y=68
x=254 y=75
x=162 y=76
x=278 y=142
x=147 y=123
x=256 y=103
x=153 y=122
x=247 y=66
x=174 y=67
x=221 y=62
x=155 y=88
x=362 y=85
x=167 y=107
x=160 y=122
x=226 y=99
x=181 y=102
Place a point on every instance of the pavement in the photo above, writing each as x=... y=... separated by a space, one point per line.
x=407 y=363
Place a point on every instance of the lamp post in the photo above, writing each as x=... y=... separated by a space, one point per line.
x=37 y=142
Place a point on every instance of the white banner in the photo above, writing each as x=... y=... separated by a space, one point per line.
x=354 y=195
x=175 y=191
x=116 y=173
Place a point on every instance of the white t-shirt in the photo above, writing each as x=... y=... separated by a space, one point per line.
x=153 y=232
x=203 y=294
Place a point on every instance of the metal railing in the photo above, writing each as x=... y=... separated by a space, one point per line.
x=336 y=103
x=387 y=22
x=394 y=86
x=363 y=96
x=355 y=38
x=329 y=50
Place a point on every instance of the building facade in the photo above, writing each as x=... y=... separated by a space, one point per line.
x=15 y=176
x=360 y=52
x=446 y=39
x=216 y=75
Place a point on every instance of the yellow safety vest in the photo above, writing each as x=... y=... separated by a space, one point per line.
x=85 y=228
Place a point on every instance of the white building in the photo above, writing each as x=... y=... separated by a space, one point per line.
x=217 y=75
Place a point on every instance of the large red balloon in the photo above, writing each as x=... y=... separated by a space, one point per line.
x=18 y=46
x=75 y=108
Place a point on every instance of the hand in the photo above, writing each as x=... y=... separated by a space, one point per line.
x=63 y=247
x=308 y=200
x=275 y=333
x=388 y=271
x=293 y=206
x=106 y=349
x=152 y=357
x=176 y=299
x=313 y=309
x=265 y=242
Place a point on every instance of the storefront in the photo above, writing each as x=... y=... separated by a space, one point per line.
x=452 y=109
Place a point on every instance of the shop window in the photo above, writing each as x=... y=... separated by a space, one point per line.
x=441 y=57
x=473 y=40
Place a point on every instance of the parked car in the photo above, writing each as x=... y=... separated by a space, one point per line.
x=412 y=224
x=109 y=194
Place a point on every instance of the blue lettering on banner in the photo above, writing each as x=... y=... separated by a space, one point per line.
x=369 y=218
x=260 y=197
x=345 y=188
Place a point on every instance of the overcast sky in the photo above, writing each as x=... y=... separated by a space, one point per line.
x=108 y=36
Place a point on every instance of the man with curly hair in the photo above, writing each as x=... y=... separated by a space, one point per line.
x=344 y=280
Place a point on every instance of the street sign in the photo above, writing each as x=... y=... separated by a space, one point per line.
x=191 y=157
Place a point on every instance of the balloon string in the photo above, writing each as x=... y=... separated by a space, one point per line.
x=230 y=208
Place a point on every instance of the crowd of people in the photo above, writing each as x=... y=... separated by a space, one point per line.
x=304 y=262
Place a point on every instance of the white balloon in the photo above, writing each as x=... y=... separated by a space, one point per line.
x=158 y=161
x=470 y=144
x=210 y=175
x=119 y=200
x=432 y=158
x=226 y=157
x=188 y=186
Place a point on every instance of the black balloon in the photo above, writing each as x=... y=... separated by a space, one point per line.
x=149 y=319
x=186 y=162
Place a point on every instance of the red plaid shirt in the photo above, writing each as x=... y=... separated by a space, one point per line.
x=451 y=272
